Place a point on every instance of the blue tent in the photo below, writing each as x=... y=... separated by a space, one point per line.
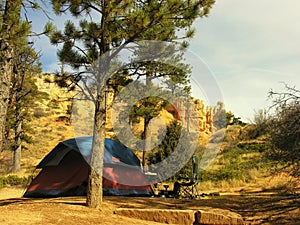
x=65 y=171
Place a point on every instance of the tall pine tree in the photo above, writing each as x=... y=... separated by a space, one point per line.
x=10 y=32
x=23 y=95
x=114 y=23
x=13 y=36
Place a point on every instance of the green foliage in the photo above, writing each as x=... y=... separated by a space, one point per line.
x=128 y=21
x=23 y=97
x=14 y=180
x=18 y=63
x=13 y=33
x=222 y=118
x=168 y=144
x=39 y=112
x=232 y=120
x=147 y=109
x=166 y=148
x=254 y=146
x=171 y=74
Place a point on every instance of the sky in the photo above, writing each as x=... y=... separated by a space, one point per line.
x=249 y=47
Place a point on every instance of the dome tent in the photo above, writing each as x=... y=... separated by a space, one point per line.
x=65 y=170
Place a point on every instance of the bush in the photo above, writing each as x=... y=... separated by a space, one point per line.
x=13 y=180
x=39 y=112
x=250 y=132
x=254 y=146
x=284 y=130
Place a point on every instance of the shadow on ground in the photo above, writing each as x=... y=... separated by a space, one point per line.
x=256 y=208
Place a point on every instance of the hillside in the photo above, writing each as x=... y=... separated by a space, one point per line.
x=55 y=119
x=240 y=164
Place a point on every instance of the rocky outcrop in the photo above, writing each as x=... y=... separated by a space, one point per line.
x=59 y=103
x=184 y=217
x=58 y=100
x=198 y=116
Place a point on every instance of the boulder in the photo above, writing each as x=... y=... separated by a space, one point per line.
x=167 y=216
x=218 y=217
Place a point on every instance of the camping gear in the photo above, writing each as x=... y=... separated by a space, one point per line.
x=188 y=189
x=66 y=168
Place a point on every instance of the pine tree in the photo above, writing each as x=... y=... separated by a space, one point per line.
x=18 y=62
x=169 y=143
x=24 y=92
x=13 y=36
x=10 y=31
x=171 y=73
x=119 y=23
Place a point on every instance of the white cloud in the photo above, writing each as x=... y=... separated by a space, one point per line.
x=245 y=31
x=250 y=46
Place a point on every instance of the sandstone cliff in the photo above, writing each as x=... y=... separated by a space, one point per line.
x=57 y=119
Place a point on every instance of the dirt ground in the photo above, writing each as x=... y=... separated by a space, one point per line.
x=256 y=208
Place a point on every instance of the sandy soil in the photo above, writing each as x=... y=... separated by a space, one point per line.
x=256 y=208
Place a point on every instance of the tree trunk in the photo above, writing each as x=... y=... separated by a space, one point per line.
x=18 y=149
x=147 y=119
x=18 y=125
x=147 y=139
x=11 y=19
x=94 y=193
x=5 y=79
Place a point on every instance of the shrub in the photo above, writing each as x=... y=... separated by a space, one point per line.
x=284 y=129
x=39 y=112
x=13 y=180
x=254 y=146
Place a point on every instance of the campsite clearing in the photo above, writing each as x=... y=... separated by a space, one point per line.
x=256 y=208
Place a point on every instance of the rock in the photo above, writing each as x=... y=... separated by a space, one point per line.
x=218 y=217
x=184 y=217
x=173 y=216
